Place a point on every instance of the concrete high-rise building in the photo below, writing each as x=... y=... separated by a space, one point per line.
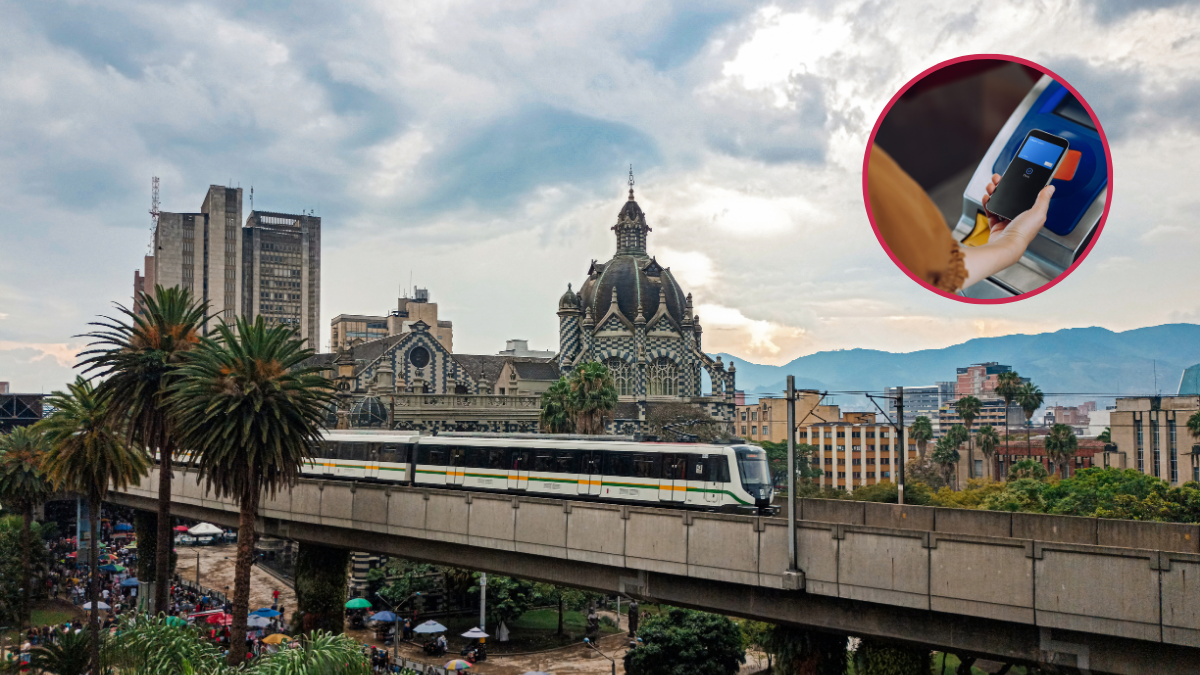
x=922 y=401
x=270 y=267
x=1151 y=435
x=350 y=329
x=201 y=252
x=281 y=271
x=980 y=380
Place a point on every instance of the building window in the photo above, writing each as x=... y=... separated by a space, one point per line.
x=754 y=415
x=743 y=428
x=858 y=474
x=1137 y=426
x=622 y=376
x=1154 y=446
x=754 y=431
x=663 y=376
x=1174 y=456
x=841 y=474
x=765 y=432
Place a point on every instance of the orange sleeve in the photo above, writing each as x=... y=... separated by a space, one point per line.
x=912 y=226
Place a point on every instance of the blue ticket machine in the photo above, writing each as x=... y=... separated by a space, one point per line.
x=1080 y=191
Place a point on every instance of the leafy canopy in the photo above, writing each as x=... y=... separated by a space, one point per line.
x=686 y=642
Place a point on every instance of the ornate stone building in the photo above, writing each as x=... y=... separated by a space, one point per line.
x=413 y=382
x=633 y=316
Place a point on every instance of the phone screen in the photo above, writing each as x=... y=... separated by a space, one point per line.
x=1026 y=175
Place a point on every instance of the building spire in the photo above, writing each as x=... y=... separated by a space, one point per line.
x=630 y=182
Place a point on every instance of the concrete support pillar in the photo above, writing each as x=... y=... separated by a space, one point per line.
x=320 y=588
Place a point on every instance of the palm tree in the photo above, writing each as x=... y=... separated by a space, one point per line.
x=1030 y=398
x=556 y=415
x=137 y=354
x=945 y=455
x=921 y=432
x=250 y=415
x=1061 y=445
x=1106 y=435
x=968 y=408
x=89 y=456
x=70 y=654
x=1007 y=386
x=23 y=484
x=989 y=440
x=593 y=396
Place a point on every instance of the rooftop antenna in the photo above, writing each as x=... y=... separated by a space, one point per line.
x=1154 y=364
x=252 y=198
x=631 y=182
x=153 y=214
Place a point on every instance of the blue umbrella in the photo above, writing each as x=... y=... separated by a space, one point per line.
x=130 y=582
x=123 y=527
x=383 y=616
x=109 y=568
x=266 y=611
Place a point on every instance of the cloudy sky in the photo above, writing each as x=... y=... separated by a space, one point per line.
x=482 y=148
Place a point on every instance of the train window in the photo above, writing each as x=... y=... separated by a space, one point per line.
x=589 y=463
x=327 y=449
x=497 y=458
x=543 y=460
x=718 y=468
x=354 y=451
x=435 y=455
x=520 y=460
x=646 y=465
x=696 y=465
x=618 y=464
x=476 y=458
x=566 y=462
x=390 y=453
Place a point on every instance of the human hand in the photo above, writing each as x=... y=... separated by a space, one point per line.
x=1021 y=230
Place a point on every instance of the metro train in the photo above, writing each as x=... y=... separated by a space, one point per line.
x=732 y=478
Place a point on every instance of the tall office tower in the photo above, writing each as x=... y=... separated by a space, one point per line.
x=281 y=271
x=202 y=252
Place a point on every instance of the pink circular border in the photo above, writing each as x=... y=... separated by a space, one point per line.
x=1044 y=71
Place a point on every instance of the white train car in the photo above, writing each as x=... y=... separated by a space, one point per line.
x=709 y=477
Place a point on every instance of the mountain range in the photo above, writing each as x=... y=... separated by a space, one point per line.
x=1071 y=365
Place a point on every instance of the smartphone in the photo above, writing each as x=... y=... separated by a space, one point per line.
x=1031 y=170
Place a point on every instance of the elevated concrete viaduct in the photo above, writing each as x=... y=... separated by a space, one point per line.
x=1102 y=596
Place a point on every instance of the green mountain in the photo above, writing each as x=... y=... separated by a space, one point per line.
x=1071 y=365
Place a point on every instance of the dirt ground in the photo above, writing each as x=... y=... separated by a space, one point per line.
x=216 y=572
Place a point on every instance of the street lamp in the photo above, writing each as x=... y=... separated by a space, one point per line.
x=396 y=614
x=591 y=644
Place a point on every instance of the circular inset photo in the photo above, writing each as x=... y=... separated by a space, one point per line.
x=987 y=178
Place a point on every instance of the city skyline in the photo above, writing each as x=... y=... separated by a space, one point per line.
x=746 y=148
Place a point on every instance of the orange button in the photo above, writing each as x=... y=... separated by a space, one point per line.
x=1066 y=170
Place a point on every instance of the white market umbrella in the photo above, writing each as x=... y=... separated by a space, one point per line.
x=430 y=626
x=475 y=633
x=204 y=529
x=101 y=605
x=256 y=621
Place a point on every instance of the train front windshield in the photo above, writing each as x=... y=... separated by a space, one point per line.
x=753 y=469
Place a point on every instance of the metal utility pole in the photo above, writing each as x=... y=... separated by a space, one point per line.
x=482 y=600
x=903 y=443
x=791 y=469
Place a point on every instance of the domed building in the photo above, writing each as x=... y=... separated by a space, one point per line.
x=632 y=315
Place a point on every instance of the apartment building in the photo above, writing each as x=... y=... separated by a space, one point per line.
x=1150 y=434
x=855 y=455
x=281 y=271
x=347 y=330
x=767 y=419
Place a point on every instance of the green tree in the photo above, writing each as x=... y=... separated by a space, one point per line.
x=1106 y=435
x=686 y=642
x=806 y=468
x=1027 y=468
x=945 y=453
x=23 y=484
x=507 y=598
x=1030 y=398
x=802 y=652
x=1008 y=385
x=564 y=597
x=1193 y=427
x=1061 y=445
x=320 y=588
x=989 y=440
x=921 y=433
x=593 y=397
x=968 y=408
x=12 y=550
x=916 y=493
x=873 y=657
x=556 y=417
x=136 y=354
x=250 y=415
x=89 y=456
